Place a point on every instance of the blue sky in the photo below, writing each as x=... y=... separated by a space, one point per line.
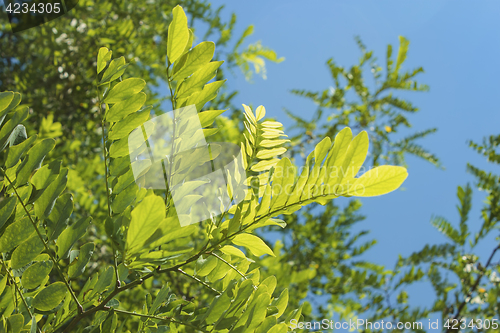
x=457 y=43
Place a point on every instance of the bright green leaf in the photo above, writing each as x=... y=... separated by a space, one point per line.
x=253 y=243
x=124 y=90
x=178 y=35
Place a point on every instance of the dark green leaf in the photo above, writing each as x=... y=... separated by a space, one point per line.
x=15 y=234
x=78 y=267
x=7 y=206
x=70 y=235
x=36 y=273
x=26 y=251
x=34 y=159
x=50 y=297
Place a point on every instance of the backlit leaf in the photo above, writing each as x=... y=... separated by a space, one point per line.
x=253 y=243
x=124 y=90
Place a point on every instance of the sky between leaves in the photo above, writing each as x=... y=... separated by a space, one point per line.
x=457 y=43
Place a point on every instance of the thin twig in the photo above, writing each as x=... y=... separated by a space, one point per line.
x=115 y=264
x=474 y=287
x=232 y=266
x=200 y=281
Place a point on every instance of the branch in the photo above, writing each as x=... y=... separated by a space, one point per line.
x=166 y=319
x=198 y=280
x=56 y=265
x=233 y=267
x=115 y=264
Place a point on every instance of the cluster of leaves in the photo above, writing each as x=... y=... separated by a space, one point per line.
x=46 y=247
x=371 y=106
x=465 y=287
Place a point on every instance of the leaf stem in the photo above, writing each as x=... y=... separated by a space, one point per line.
x=115 y=264
x=200 y=281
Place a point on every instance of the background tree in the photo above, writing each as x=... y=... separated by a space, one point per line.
x=46 y=248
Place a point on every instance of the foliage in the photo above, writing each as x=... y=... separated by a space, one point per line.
x=48 y=246
x=372 y=106
x=466 y=288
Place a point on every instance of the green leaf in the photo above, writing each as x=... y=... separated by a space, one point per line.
x=377 y=181
x=264 y=165
x=336 y=156
x=15 y=234
x=5 y=132
x=46 y=175
x=124 y=90
x=354 y=157
x=3 y=283
x=26 y=251
x=253 y=243
x=115 y=70
x=34 y=159
x=119 y=148
x=208 y=93
x=50 y=297
x=281 y=302
x=124 y=198
x=17 y=136
x=7 y=206
x=70 y=235
x=5 y=99
x=232 y=251
x=34 y=327
x=125 y=126
x=195 y=82
x=160 y=298
x=280 y=328
x=13 y=103
x=446 y=228
x=109 y=325
x=269 y=153
x=272 y=143
x=260 y=113
x=105 y=280
x=58 y=218
x=15 y=323
x=266 y=325
x=189 y=63
x=178 y=34
x=208 y=117
x=103 y=57
x=45 y=203
x=145 y=219
x=78 y=266
x=36 y=274
x=205 y=266
x=15 y=152
x=122 y=109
